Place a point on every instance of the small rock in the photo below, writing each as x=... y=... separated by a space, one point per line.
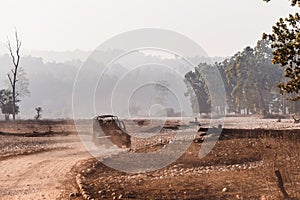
x=88 y=171
x=224 y=190
x=263 y=198
x=72 y=194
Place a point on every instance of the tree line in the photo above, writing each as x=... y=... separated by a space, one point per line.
x=252 y=77
x=250 y=81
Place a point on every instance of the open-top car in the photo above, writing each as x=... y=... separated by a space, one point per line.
x=111 y=128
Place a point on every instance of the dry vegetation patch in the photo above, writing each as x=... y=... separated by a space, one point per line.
x=237 y=168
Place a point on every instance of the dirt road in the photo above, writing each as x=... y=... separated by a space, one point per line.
x=40 y=175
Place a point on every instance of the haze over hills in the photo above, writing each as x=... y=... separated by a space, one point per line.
x=69 y=55
x=50 y=56
x=52 y=74
x=58 y=56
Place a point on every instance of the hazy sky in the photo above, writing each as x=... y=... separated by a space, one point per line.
x=221 y=27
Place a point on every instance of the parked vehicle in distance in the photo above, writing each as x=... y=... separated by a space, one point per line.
x=111 y=128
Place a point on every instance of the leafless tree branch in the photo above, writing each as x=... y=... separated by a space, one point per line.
x=14 y=72
x=11 y=83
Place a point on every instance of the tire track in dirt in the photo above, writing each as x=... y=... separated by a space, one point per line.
x=39 y=176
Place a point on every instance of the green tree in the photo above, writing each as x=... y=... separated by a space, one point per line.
x=6 y=103
x=252 y=77
x=237 y=77
x=197 y=90
x=286 y=44
x=222 y=67
x=250 y=81
x=229 y=81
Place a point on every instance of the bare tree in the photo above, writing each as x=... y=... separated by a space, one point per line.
x=13 y=74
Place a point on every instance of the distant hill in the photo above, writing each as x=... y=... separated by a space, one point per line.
x=63 y=56
x=58 y=56
x=52 y=74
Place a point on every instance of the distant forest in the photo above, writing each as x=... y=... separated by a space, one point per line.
x=51 y=82
x=251 y=84
x=250 y=80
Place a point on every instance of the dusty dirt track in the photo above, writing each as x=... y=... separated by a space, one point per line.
x=37 y=167
x=38 y=176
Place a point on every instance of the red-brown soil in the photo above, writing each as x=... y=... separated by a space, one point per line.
x=40 y=164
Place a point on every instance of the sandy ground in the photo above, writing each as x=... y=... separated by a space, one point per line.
x=40 y=175
x=252 y=122
x=40 y=167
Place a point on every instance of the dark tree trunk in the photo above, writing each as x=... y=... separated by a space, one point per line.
x=263 y=108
